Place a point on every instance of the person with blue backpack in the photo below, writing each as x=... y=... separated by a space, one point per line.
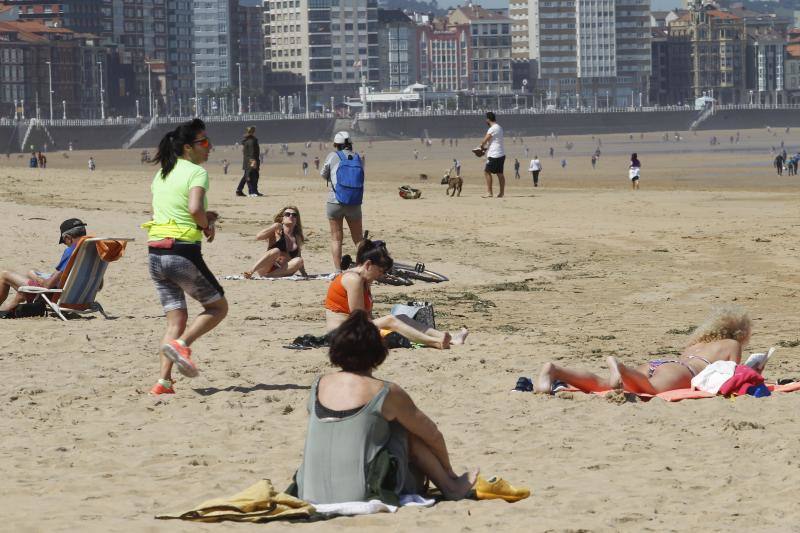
x=344 y=171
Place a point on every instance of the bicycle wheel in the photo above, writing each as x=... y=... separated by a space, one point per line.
x=397 y=281
x=418 y=272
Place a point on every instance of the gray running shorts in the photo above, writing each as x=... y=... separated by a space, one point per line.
x=175 y=276
x=340 y=211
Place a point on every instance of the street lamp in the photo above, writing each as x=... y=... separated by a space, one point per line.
x=240 y=87
x=149 y=88
x=196 y=99
x=50 y=77
x=102 y=91
x=64 y=108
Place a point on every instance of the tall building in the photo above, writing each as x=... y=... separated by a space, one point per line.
x=521 y=65
x=591 y=52
x=158 y=33
x=707 y=54
x=397 y=48
x=490 y=47
x=250 y=56
x=215 y=30
x=331 y=44
x=78 y=15
x=765 y=67
x=792 y=77
x=443 y=55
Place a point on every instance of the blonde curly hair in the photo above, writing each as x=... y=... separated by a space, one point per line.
x=725 y=322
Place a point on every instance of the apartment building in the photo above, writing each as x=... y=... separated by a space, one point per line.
x=521 y=65
x=35 y=57
x=707 y=55
x=330 y=44
x=397 y=49
x=215 y=36
x=250 y=56
x=78 y=15
x=792 y=76
x=765 y=67
x=590 y=52
x=443 y=55
x=158 y=32
x=489 y=47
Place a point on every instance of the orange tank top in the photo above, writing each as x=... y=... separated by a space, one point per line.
x=336 y=300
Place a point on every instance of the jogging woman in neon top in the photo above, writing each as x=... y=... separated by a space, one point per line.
x=180 y=221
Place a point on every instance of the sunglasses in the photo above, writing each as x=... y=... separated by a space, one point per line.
x=204 y=142
x=290 y=214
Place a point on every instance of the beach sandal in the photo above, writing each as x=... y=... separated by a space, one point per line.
x=523 y=385
x=496 y=488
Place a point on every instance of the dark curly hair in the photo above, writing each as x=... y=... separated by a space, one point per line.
x=356 y=345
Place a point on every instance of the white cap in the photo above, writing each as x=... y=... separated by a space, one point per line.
x=341 y=137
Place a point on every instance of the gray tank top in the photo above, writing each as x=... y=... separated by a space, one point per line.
x=338 y=451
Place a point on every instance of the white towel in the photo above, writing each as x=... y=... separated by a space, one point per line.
x=714 y=376
x=372 y=506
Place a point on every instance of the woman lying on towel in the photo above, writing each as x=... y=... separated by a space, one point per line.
x=284 y=240
x=366 y=439
x=350 y=291
x=720 y=338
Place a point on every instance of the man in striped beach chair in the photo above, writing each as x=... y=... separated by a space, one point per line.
x=71 y=230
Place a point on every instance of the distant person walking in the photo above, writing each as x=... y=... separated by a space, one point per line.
x=516 y=169
x=779 y=164
x=251 y=164
x=225 y=165
x=457 y=167
x=34 y=161
x=594 y=161
x=180 y=221
x=495 y=155
x=305 y=167
x=535 y=168
x=633 y=171
x=344 y=170
x=92 y=166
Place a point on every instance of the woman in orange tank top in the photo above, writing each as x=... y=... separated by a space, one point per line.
x=351 y=290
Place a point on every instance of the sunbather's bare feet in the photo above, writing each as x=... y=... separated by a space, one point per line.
x=460 y=487
x=460 y=337
x=614 y=375
x=544 y=383
x=445 y=344
x=247 y=274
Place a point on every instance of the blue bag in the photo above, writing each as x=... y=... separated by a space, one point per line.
x=349 y=189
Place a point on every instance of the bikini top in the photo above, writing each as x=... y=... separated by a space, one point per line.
x=281 y=245
x=336 y=300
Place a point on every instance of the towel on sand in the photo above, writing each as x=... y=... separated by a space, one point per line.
x=293 y=277
x=372 y=506
x=258 y=503
x=689 y=394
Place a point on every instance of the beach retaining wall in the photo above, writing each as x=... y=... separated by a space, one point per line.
x=267 y=132
x=526 y=124
x=745 y=119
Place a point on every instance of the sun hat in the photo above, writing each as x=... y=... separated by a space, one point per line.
x=341 y=137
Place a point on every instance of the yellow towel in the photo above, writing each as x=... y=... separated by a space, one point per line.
x=257 y=503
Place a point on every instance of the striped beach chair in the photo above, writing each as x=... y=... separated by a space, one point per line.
x=81 y=280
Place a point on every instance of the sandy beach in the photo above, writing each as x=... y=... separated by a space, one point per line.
x=575 y=270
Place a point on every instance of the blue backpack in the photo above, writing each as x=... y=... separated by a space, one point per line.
x=349 y=189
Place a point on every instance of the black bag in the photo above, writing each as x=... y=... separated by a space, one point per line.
x=33 y=309
x=424 y=314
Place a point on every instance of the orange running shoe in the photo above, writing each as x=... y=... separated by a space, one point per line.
x=182 y=357
x=158 y=389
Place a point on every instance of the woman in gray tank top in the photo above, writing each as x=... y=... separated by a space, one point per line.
x=366 y=438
